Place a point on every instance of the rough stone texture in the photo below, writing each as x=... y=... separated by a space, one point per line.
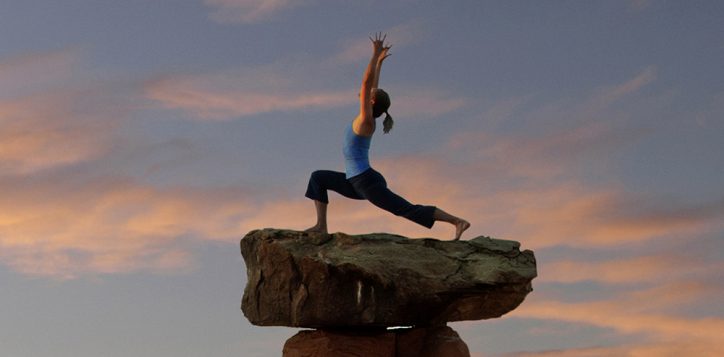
x=299 y=279
x=438 y=341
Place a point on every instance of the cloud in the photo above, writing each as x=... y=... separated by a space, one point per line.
x=206 y=100
x=556 y=213
x=52 y=115
x=66 y=226
x=249 y=11
x=530 y=186
x=61 y=214
x=548 y=154
x=48 y=131
x=623 y=104
x=64 y=223
x=693 y=348
x=662 y=329
x=290 y=84
x=582 y=217
x=661 y=304
x=524 y=198
x=640 y=269
x=536 y=184
x=509 y=198
x=609 y=95
x=668 y=305
x=400 y=36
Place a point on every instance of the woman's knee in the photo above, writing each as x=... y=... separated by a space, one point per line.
x=317 y=176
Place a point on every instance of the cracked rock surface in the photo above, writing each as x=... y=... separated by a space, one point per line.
x=315 y=280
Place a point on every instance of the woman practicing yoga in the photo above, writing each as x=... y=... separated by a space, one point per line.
x=360 y=181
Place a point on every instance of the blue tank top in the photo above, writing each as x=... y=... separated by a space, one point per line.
x=356 y=153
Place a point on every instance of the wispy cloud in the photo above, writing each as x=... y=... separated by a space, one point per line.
x=609 y=95
x=663 y=330
x=205 y=99
x=686 y=348
x=531 y=187
x=400 y=36
x=51 y=115
x=61 y=222
x=249 y=11
x=48 y=131
x=65 y=226
x=660 y=303
x=289 y=84
x=639 y=269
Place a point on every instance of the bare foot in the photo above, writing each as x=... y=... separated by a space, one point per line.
x=460 y=227
x=316 y=229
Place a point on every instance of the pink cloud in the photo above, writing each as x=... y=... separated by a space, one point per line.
x=298 y=82
x=290 y=84
x=48 y=131
x=540 y=213
x=646 y=310
x=686 y=348
x=662 y=329
x=219 y=104
x=52 y=114
x=582 y=217
x=640 y=269
x=70 y=226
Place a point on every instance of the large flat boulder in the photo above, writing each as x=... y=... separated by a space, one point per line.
x=314 y=280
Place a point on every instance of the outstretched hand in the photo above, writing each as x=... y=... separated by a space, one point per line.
x=378 y=44
x=384 y=54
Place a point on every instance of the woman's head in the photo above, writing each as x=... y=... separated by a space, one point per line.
x=381 y=103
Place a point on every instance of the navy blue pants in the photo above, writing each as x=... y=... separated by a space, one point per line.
x=369 y=185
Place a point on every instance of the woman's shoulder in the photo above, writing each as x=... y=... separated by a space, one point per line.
x=363 y=127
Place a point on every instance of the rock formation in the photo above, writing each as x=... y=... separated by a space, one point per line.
x=377 y=280
x=438 y=341
x=353 y=287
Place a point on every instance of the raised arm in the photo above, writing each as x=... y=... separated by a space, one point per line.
x=385 y=53
x=364 y=123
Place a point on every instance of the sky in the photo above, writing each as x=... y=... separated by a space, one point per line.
x=141 y=140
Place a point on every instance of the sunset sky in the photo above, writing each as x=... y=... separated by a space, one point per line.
x=140 y=140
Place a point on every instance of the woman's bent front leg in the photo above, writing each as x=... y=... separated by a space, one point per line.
x=319 y=183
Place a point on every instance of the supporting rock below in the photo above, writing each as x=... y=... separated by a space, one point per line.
x=438 y=341
x=299 y=279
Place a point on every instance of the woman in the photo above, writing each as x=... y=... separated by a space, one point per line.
x=360 y=181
